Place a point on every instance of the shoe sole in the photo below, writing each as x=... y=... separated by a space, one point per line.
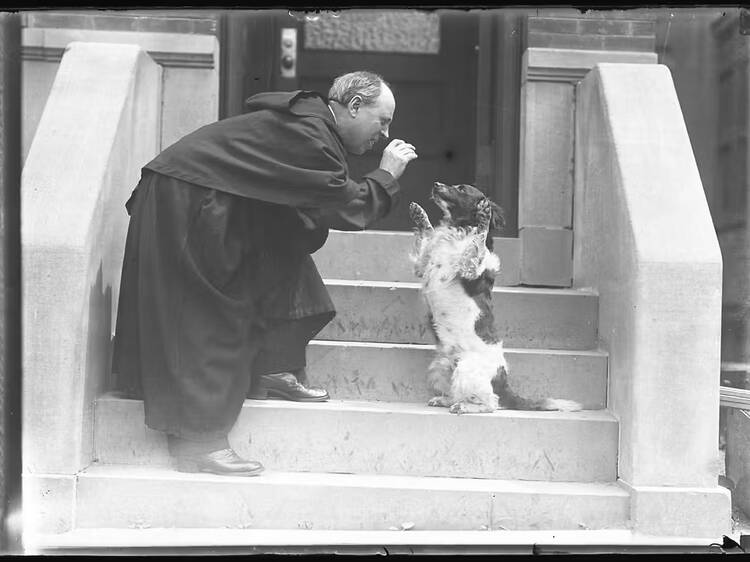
x=193 y=469
x=280 y=395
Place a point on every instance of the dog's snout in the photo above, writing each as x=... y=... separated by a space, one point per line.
x=439 y=188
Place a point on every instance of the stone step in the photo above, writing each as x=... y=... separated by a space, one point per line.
x=384 y=256
x=213 y=541
x=121 y=496
x=377 y=311
x=388 y=438
x=397 y=372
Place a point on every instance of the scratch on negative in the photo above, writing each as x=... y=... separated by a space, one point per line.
x=552 y=466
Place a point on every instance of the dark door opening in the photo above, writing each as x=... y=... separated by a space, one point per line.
x=438 y=104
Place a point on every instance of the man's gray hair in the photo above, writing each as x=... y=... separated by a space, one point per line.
x=362 y=83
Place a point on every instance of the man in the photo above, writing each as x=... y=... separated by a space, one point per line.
x=218 y=286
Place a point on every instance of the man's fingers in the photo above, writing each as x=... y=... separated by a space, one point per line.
x=398 y=143
x=404 y=149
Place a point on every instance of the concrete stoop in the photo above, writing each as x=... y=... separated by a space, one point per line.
x=375 y=464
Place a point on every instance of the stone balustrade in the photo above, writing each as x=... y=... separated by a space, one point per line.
x=100 y=125
x=645 y=241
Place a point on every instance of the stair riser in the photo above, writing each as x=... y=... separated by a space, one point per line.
x=425 y=442
x=398 y=374
x=525 y=320
x=249 y=503
x=384 y=256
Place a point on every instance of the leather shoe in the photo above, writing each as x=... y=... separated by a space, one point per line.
x=225 y=462
x=287 y=387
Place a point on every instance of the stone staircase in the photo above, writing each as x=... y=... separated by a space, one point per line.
x=376 y=457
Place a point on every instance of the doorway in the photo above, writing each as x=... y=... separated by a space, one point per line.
x=430 y=59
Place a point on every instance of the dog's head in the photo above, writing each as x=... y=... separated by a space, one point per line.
x=459 y=205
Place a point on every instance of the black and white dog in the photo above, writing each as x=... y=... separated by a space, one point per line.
x=458 y=269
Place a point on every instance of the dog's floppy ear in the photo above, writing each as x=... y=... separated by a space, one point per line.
x=498 y=216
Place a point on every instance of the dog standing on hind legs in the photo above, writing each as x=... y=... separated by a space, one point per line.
x=458 y=269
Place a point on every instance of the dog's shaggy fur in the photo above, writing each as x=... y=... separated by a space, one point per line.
x=458 y=268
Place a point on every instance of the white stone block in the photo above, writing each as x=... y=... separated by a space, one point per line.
x=191 y=100
x=541 y=63
x=645 y=241
x=680 y=511
x=546 y=256
x=48 y=503
x=99 y=127
x=546 y=186
x=36 y=82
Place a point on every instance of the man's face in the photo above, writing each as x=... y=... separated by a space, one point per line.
x=367 y=123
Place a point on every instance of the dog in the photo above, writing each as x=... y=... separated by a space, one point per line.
x=456 y=263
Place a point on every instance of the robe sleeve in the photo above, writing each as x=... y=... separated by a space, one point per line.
x=378 y=191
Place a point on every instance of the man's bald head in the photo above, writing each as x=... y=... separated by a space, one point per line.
x=364 y=105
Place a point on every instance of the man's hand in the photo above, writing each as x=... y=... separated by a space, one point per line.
x=396 y=156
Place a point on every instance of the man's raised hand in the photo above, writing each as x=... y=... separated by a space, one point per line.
x=396 y=156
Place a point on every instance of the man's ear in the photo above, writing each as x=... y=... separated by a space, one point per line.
x=354 y=104
x=498 y=216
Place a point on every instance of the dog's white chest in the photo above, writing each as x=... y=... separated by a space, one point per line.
x=454 y=312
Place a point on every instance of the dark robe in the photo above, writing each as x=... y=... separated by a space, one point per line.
x=222 y=226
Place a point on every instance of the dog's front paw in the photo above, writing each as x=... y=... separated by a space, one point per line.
x=419 y=216
x=439 y=402
x=464 y=407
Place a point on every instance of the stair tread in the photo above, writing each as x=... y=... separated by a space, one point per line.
x=430 y=346
x=417 y=408
x=213 y=538
x=497 y=289
x=378 y=481
x=406 y=234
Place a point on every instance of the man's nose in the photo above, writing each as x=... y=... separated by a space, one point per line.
x=384 y=133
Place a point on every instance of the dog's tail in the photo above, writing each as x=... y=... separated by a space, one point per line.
x=512 y=401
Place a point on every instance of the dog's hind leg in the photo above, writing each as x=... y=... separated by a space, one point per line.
x=471 y=387
x=439 y=379
x=471 y=406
